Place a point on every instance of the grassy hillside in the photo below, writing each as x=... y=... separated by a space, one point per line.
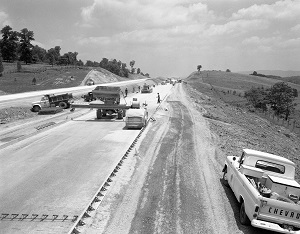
x=52 y=77
x=230 y=87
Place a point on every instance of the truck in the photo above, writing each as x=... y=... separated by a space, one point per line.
x=53 y=100
x=136 y=118
x=88 y=97
x=146 y=89
x=107 y=102
x=264 y=185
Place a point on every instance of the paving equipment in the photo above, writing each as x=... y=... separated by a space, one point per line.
x=147 y=89
x=107 y=102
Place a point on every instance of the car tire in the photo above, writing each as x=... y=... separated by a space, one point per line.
x=99 y=114
x=36 y=108
x=243 y=216
x=63 y=105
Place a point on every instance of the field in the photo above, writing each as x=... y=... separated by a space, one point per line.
x=230 y=87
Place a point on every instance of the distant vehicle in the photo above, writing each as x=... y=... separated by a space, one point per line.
x=146 y=89
x=135 y=104
x=88 y=97
x=90 y=82
x=179 y=81
x=53 y=100
x=163 y=83
x=136 y=118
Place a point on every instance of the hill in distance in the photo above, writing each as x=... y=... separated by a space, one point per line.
x=273 y=72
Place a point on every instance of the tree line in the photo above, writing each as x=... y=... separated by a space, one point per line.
x=280 y=97
x=17 y=46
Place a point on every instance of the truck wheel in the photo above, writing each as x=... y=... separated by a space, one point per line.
x=99 y=114
x=36 y=109
x=63 y=105
x=243 y=216
x=120 y=115
x=225 y=179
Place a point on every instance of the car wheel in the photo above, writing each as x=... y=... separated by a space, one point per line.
x=36 y=109
x=243 y=216
x=63 y=105
x=99 y=114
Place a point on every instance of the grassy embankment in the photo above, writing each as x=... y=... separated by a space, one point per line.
x=230 y=87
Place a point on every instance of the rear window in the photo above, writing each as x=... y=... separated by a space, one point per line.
x=269 y=166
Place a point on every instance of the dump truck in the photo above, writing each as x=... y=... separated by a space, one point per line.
x=146 y=89
x=107 y=102
x=62 y=101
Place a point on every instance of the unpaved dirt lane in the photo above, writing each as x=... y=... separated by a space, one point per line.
x=180 y=193
x=173 y=185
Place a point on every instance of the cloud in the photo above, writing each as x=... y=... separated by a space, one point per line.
x=237 y=27
x=38 y=44
x=132 y=14
x=4 y=19
x=273 y=43
x=282 y=10
x=296 y=28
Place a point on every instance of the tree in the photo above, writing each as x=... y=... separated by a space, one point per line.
x=53 y=55
x=89 y=63
x=131 y=65
x=227 y=70
x=80 y=63
x=281 y=98
x=199 y=67
x=138 y=71
x=147 y=75
x=257 y=97
x=39 y=54
x=26 y=37
x=1 y=65
x=9 y=44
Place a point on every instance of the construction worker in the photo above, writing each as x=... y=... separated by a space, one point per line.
x=126 y=91
x=158 y=98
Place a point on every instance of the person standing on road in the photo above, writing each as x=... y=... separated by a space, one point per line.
x=126 y=91
x=158 y=98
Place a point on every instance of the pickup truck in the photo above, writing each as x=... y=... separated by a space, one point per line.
x=265 y=187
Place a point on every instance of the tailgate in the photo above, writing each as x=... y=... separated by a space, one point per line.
x=280 y=212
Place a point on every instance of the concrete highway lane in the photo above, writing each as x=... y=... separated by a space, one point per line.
x=56 y=172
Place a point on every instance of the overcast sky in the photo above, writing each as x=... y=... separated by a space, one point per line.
x=166 y=37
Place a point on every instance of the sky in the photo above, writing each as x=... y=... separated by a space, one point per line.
x=166 y=37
